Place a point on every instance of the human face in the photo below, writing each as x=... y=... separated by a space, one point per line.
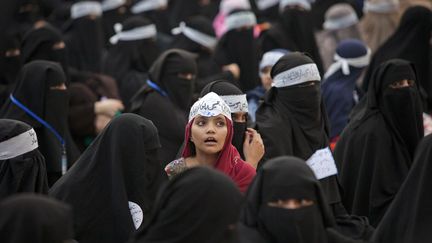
x=239 y=116
x=291 y=203
x=402 y=84
x=266 y=79
x=209 y=134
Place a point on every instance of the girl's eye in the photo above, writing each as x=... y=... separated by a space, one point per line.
x=220 y=124
x=200 y=123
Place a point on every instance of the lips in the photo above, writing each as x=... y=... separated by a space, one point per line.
x=210 y=140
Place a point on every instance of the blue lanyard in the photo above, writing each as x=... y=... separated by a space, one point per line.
x=157 y=88
x=47 y=125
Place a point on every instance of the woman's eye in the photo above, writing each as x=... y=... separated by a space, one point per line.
x=220 y=124
x=200 y=123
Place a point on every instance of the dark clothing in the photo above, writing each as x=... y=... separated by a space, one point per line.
x=119 y=168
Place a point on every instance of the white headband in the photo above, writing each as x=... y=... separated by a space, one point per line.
x=380 y=7
x=269 y=59
x=265 y=4
x=148 y=5
x=344 y=63
x=297 y=75
x=306 y=4
x=112 y=4
x=236 y=103
x=81 y=9
x=139 y=33
x=240 y=19
x=341 y=22
x=196 y=36
x=210 y=105
x=18 y=145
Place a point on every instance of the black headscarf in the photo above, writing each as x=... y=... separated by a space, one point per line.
x=408 y=218
x=292 y=121
x=111 y=17
x=221 y=88
x=286 y=178
x=128 y=61
x=120 y=166
x=239 y=46
x=25 y=172
x=198 y=205
x=9 y=65
x=411 y=41
x=33 y=90
x=38 y=44
x=375 y=150
x=167 y=107
x=84 y=39
x=33 y=218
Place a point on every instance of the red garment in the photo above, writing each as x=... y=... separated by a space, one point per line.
x=229 y=161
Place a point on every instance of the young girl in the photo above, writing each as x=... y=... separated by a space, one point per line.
x=208 y=142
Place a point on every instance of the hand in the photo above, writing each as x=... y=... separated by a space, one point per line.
x=108 y=107
x=253 y=147
x=233 y=68
x=100 y=122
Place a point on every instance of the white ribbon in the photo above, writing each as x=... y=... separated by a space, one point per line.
x=265 y=4
x=381 y=7
x=269 y=59
x=240 y=19
x=297 y=75
x=148 y=5
x=195 y=35
x=139 y=33
x=344 y=63
x=210 y=105
x=341 y=22
x=81 y=9
x=236 y=103
x=18 y=145
x=112 y=4
x=306 y=4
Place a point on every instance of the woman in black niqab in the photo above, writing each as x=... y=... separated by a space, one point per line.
x=10 y=64
x=285 y=203
x=22 y=166
x=409 y=217
x=239 y=46
x=166 y=97
x=120 y=173
x=127 y=61
x=411 y=42
x=40 y=89
x=198 y=205
x=30 y=218
x=375 y=150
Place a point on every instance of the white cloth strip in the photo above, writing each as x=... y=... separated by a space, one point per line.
x=381 y=7
x=306 y=4
x=270 y=58
x=140 y=33
x=210 y=105
x=18 y=145
x=195 y=35
x=265 y=4
x=240 y=19
x=148 y=5
x=236 y=103
x=322 y=163
x=340 y=23
x=297 y=75
x=81 y=9
x=344 y=63
x=112 y=4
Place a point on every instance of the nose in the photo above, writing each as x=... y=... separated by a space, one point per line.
x=211 y=128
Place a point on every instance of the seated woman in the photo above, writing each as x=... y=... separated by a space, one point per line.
x=208 y=139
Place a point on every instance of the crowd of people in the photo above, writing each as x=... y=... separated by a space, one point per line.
x=219 y=121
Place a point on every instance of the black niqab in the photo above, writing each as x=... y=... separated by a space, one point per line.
x=26 y=218
x=9 y=65
x=198 y=205
x=25 y=172
x=408 y=218
x=286 y=178
x=372 y=154
x=411 y=41
x=121 y=165
x=33 y=90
